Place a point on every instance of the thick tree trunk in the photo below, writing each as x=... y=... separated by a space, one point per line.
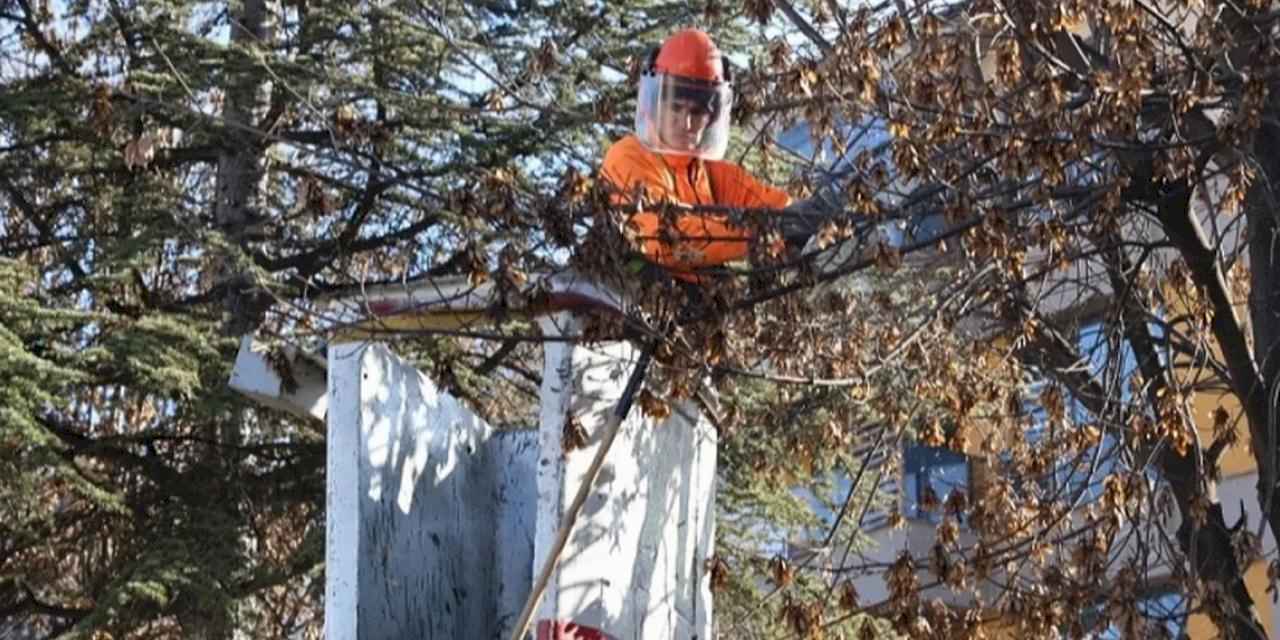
x=240 y=170
x=236 y=211
x=1248 y=382
x=1207 y=544
x=1262 y=209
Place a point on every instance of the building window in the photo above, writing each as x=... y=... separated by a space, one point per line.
x=1161 y=614
x=929 y=476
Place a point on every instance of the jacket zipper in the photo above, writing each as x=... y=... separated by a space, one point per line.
x=693 y=181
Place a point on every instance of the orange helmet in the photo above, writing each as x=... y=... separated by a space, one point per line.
x=690 y=54
x=685 y=98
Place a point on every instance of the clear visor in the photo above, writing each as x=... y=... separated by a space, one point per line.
x=681 y=116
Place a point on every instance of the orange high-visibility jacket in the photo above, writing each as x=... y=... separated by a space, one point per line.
x=702 y=239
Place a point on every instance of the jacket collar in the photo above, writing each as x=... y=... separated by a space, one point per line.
x=676 y=161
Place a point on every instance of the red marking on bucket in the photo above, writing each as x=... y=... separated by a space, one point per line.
x=384 y=308
x=565 y=630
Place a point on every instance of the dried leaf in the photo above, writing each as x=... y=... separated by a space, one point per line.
x=719 y=572
x=848 y=596
x=781 y=572
x=652 y=406
x=139 y=152
x=759 y=10
x=101 y=111
x=573 y=435
x=888 y=257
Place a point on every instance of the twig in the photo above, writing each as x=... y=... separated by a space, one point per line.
x=804 y=26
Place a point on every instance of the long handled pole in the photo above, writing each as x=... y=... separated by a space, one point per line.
x=619 y=414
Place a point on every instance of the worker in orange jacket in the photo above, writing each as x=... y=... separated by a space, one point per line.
x=675 y=156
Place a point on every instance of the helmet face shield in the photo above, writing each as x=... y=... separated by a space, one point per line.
x=683 y=116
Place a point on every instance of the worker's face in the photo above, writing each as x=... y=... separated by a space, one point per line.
x=684 y=122
x=683 y=116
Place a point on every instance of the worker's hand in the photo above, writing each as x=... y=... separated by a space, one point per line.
x=803 y=219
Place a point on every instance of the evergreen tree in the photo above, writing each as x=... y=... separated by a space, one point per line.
x=175 y=175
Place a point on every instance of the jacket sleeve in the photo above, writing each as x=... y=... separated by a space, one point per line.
x=735 y=187
x=676 y=240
